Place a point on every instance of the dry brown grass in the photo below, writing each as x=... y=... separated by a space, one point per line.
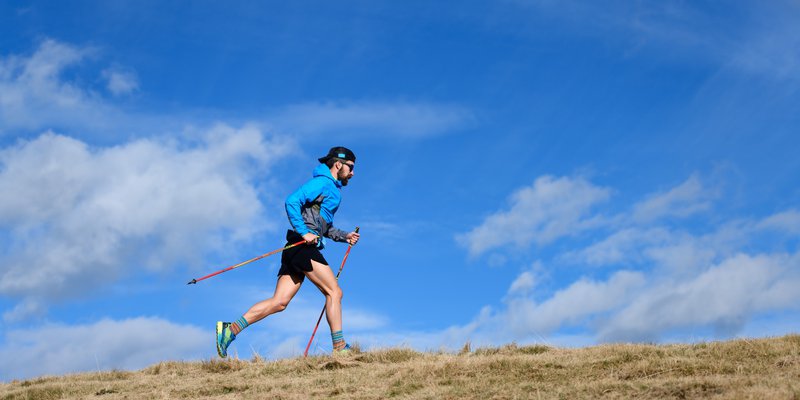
x=739 y=369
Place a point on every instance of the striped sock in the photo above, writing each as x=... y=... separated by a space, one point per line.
x=239 y=325
x=338 y=340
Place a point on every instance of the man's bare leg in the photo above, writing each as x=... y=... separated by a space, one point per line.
x=323 y=278
x=287 y=287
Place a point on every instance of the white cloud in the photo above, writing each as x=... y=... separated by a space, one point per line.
x=724 y=297
x=549 y=209
x=659 y=246
x=620 y=247
x=34 y=96
x=705 y=275
x=682 y=201
x=786 y=221
x=120 y=82
x=107 y=344
x=24 y=311
x=524 y=283
x=80 y=217
x=683 y=255
x=376 y=119
x=634 y=306
x=571 y=305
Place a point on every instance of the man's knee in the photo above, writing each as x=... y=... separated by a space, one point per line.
x=281 y=305
x=337 y=293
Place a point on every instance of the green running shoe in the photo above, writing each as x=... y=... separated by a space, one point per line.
x=344 y=351
x=224 y=338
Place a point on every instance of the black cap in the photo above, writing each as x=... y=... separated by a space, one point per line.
x=339 y=152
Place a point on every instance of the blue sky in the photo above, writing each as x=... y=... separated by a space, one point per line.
x=563 y=173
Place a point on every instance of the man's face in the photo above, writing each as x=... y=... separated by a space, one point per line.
x=346 y=172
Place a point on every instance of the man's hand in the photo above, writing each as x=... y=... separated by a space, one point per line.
x=352 y=238
x=310 y=238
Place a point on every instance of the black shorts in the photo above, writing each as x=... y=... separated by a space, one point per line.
x=297 y=260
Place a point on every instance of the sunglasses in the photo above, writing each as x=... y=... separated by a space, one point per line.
x=351 y=166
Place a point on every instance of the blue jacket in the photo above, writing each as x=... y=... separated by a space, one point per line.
x=311 y=207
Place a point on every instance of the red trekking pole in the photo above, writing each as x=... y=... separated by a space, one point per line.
x=347 y=253
x=194 y=281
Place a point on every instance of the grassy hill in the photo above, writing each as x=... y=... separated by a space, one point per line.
x=758 y=369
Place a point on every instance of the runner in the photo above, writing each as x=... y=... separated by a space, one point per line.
x=310 y=210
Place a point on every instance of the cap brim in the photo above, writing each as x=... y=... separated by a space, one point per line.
x=323 y=160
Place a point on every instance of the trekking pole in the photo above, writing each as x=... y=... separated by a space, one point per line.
x=347 y=253
x=194 y=281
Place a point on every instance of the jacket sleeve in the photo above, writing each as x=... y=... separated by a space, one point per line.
x=295 y=202
x=336 y=234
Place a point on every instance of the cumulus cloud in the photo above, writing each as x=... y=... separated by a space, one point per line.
x=524 y=283
x=707 y=274
x=549 y=209
x=688 y=198
x=34 y=95
x=571 y=305
x=24 y=311
x=785 y=221
x=635 y=306
x=619 y=247
x=682 y=255
x=376 y=119
x=79 y=216
x=723 y=297
x=671 y=249
x=107 y=344
x=120 y=82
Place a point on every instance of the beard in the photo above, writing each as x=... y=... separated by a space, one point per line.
x=343 y=178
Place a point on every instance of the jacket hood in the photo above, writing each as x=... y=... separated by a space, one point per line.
x=323 y=170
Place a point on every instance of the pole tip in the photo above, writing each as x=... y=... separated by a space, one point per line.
x=192 y=282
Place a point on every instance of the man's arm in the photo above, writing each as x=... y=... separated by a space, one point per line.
x=336 y=234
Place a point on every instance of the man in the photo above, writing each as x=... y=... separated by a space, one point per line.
x=310 y=210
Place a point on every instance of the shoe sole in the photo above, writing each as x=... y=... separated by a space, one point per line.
x=219 y=336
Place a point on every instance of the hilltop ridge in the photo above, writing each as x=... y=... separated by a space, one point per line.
x=742 y=368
